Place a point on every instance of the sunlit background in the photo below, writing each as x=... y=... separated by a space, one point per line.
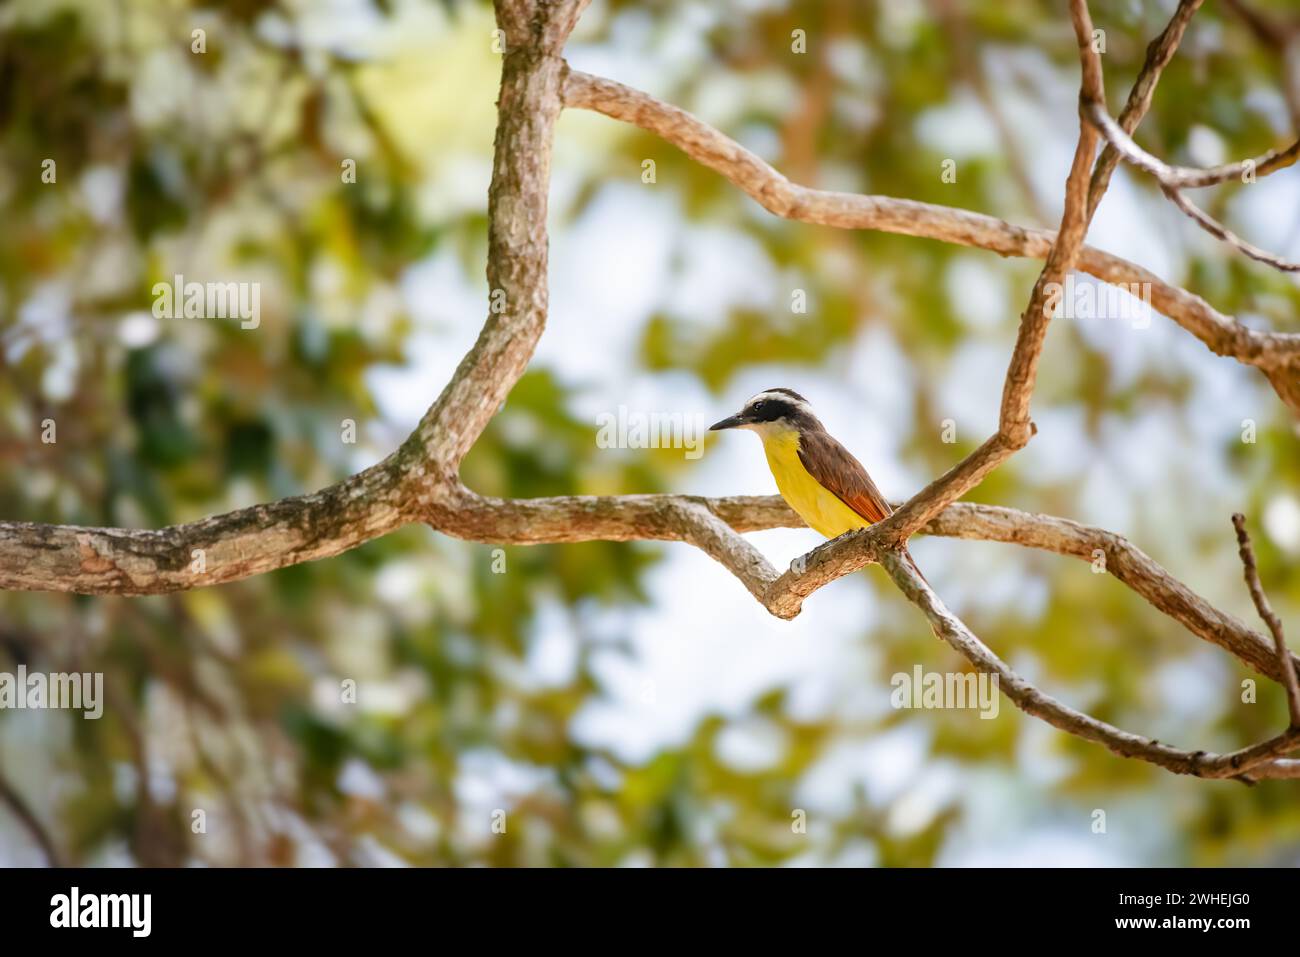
x=622 y=704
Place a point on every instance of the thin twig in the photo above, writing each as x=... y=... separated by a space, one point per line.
x=1221 y=232
x=1173 y=179
x=1270 y=618
x=27 y=817
x=1257 y=761
x=1185 y=177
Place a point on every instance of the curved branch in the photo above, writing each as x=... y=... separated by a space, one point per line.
x=1183 y=177
x=576 y=518
x=1255 y=762
x=527 y=107
x=1221 y=232
x=422 y=472
x=1124 y=561
x=1222 y=334
x=1269 y=616
x=1173 y=179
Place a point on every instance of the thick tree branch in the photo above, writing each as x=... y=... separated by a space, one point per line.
x=152 y=562
x=527 y=107
x=578 y=518
x=419 y=474
x=250 y=541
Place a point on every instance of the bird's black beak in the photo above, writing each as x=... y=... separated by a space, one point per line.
x=730 y=422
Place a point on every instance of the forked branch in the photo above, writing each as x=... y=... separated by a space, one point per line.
x=1174 y=179
x=1269 y=616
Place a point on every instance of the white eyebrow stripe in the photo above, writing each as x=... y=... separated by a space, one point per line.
x=780 y=397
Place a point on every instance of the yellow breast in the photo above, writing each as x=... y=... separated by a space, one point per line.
x=803 y=493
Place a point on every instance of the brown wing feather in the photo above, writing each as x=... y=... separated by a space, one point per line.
x=835 y=468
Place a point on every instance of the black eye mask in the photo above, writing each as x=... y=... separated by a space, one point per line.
x=768 y=411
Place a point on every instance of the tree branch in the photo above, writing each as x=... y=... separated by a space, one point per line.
x=1014 y=426
x=578 y=518
x=1186 y=177
x=1268 y=615
x=20 y=809
x=1125 y=562
x=1159 y=53
x=1257 y=761
x=1222 y=334
x=527 y=107
x=250 y=541
x=1173 y=179
x=1221 y=232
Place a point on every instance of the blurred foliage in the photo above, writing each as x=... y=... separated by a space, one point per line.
x=227 y=164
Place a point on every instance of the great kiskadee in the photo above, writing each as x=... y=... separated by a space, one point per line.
x=818 y=478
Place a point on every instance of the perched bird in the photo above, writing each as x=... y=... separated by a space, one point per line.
x=818 y=478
